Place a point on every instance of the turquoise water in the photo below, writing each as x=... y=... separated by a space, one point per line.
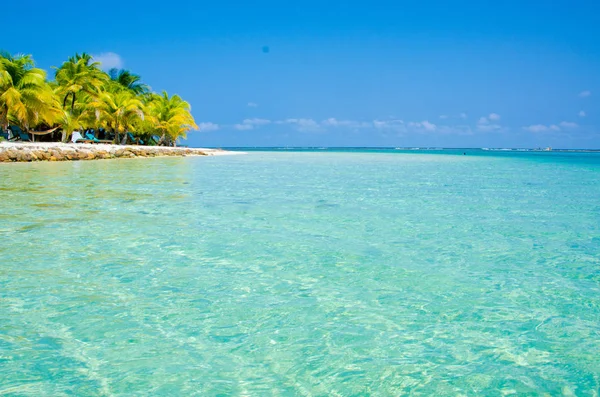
x=302 y=274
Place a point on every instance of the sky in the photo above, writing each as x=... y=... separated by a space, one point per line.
x=427 y=73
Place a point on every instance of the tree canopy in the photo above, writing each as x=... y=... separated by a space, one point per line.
x=83 y=96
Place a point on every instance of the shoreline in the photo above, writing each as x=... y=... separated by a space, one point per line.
x=11 y=152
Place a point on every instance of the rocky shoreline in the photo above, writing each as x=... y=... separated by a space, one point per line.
x=28 y=152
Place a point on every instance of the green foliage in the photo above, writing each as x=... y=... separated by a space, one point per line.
x=83 y=96
x=79 y=75
x=168 y=116
x=127 y=80
x=26 y=98
x=118 y=112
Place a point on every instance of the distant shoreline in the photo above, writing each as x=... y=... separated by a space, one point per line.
x=55 y=151
x=404 y=149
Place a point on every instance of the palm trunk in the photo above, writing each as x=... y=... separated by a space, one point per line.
x=117 y=132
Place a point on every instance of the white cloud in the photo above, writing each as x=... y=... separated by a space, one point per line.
x=109 y=60
x=208 y=126
x=484 y=125
x=385 y=126
x=582 y=114
x=243 y=127
x=584 y=94
x=488 y=127
x=490 y=117
x=302 y=124
x=541 y=128
x=462 y=116
x=380 y=124
x=443 y=117
x=388 y=124
x=536 y=128
x=250 y=124
x=256 y=121
x=425 y=125
x=252 y=105
x=428 y=126
x=333 y=122
x=568 y=124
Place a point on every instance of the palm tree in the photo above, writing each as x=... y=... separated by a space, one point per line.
x=26 y=98
x=126 y=79
x=85 y=57
x=118 y=111
x=72 y=120
x=170 y=116
x=118 y=101
x=79 y=75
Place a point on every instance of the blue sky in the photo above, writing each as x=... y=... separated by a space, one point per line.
x=315 y=73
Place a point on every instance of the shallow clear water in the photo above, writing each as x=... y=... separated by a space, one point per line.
x=302 y=274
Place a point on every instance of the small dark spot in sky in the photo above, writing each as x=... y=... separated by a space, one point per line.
x=266 y=49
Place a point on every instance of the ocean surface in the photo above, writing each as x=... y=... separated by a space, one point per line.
x=302 y=273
